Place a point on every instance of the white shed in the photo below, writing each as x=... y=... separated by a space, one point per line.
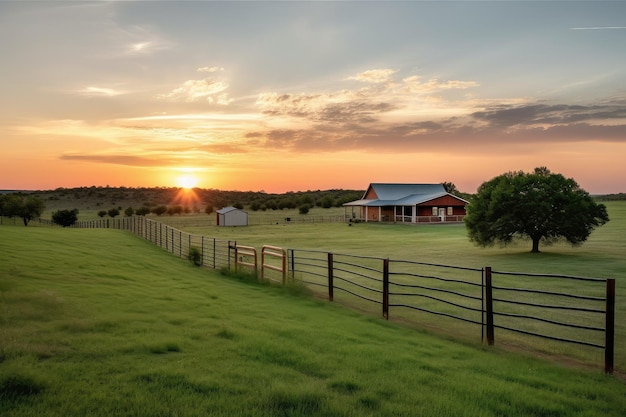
x=232 y=216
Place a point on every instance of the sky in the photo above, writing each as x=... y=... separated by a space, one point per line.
x=295 y=96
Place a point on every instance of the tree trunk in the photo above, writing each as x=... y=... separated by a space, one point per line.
x=535 y=245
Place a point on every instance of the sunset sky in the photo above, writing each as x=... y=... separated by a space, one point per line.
x=293 y=96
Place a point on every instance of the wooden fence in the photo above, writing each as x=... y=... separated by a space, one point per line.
x=511 y=303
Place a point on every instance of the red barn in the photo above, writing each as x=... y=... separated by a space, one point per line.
x=407 y=203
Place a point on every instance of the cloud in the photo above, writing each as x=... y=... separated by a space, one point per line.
x=129 y=160
x=210 y=69
x=101 y=91
x=374 y=76
x=384 y=100
x=211 y=90
x=353 y=126
x=599 y=28
x=141 y=40
x=547 y=115
x=414 y=85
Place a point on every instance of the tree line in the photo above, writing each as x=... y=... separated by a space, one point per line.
x=540 y=206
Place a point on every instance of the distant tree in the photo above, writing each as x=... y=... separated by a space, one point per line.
x=238 y=206
x=327 y=202
x=142 y=211
x=450 y=188
x=102 y=213
x=304 y=208
x=25 y=207
x=208 y=209
x=113 y=212
x=129 y=212
x=171 y=210
x=539 y=206
x=65 y=218
x=159 y=210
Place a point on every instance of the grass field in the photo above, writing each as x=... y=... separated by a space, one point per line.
x=102 y=323
x=601 y=256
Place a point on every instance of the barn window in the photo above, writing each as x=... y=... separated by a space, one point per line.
x=435 y=211
x=449 y=211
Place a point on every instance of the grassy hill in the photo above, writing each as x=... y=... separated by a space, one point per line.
x=101 y=323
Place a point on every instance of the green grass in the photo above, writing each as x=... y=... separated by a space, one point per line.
x=101 y=323
x=602 y=256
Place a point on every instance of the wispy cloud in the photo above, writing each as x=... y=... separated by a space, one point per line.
x=210 y=90
x=374 y=76
x=142 y=40
x=599 y=28
x=101 y=91
x=384 y=96
x=129 y=160
x=210 y=69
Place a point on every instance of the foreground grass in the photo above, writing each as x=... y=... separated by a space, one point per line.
x=100 y=323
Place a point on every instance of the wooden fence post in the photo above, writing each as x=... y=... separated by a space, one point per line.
x=609 y=344
x=489 y=306
x=330 y=277
x=386 y=288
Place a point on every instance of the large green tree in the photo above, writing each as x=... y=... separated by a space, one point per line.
x=540 y=206
x=25 y=207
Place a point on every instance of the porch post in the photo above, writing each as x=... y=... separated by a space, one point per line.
x=380 y=212
x=413 y=213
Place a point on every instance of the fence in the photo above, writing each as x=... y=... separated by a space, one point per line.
x=583 y=314
x=580 y=311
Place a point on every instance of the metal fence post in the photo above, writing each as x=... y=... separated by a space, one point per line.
x=489 y=306
x=386 y=288
x=330 y=277
x=609 y=345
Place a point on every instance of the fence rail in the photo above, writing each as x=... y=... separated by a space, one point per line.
x=512 y=302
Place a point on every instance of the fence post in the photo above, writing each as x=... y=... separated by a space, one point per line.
x=609 y=345
x=330 y=277
x=386 y=288
x=489 y=306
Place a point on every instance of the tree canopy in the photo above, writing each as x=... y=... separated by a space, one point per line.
x=540 y=206
x=65 y=218
x=25 y=207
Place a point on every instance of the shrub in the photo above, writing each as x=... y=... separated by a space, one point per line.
x=65 y=218
x=195 y=256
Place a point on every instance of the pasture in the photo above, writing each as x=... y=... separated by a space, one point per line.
x=602 y=256
x=102 y=323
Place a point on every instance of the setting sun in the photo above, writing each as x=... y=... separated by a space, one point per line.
x=187 y=181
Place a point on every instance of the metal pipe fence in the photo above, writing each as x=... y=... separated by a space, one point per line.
x=578 y=311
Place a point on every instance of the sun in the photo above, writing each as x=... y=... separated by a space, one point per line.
x=187 y=181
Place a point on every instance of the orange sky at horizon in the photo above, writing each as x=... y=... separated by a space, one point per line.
x=296 y=96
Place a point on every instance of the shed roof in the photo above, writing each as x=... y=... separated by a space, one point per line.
x=228 y=210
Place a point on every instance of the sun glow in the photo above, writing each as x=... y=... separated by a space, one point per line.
x=187 y=181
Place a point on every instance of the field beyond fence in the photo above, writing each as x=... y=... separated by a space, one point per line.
x=574 y=319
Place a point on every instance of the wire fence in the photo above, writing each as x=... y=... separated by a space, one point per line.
x=569 y=310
